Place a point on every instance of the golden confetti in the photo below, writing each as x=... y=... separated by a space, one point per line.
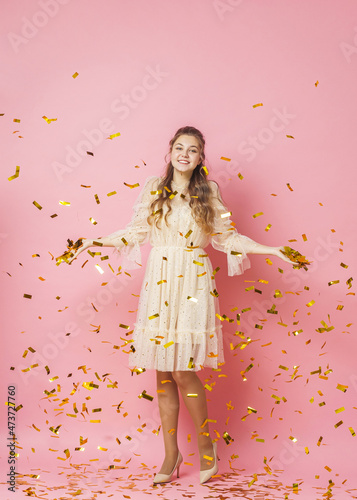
x=340 y=409
x=342 y=388
x=112 y=136
x=99 y=269
x=227 y=214
x=192 y=395
x=49 y=120
x=94 y=222
x=257 y=215
x=27 y=296
x=168 y=344
x=205 y=169
x=299 y=260
x=240 y=176
x=37 y=205
x=64 y=203
x=191 y=363
x=192 y=299
x=258 y=104
x=96 y=199
x=16 y=120
x=291 y=189
x=111 y=193
x=146 y=396
x=311 y=303
x=224 y=158
x=290 y=136
x=154 y=316
x=333 y=282
x=132 y=186
x=75 y=75
x=268 y=227
x=16 y=174
x=338 y=424
x=316 y=83
x=304 y=237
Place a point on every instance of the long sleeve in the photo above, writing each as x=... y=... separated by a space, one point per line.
x=137 y=231
x=226 y=238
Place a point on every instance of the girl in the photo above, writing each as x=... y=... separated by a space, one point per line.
x=177 y=331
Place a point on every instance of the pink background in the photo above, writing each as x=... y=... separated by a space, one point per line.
x=145 y=69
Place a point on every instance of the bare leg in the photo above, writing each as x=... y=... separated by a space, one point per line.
x=189 y=383
x=169 y=405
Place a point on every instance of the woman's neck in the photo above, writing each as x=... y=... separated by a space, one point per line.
x=181 y=178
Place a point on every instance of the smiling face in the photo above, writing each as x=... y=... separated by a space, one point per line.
x=185 y=154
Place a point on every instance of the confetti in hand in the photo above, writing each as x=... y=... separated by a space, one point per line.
x=70 y=254
x=299 y=260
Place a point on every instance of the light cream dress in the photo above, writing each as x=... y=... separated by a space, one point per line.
x=178 y=325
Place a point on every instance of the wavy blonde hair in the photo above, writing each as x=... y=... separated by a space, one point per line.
x=199 y=189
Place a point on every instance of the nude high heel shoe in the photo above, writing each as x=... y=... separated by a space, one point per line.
x=166 y=478
x=205 y=475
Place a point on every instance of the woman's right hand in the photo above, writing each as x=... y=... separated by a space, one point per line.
x=86 y=243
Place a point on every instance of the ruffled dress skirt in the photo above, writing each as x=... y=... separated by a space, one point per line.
x=177 y=327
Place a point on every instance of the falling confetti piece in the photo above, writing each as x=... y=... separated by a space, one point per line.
x=49 y=120
x=27 y=296
x=64 y=203
x=256 y=105
x=290 y=137
x=257 y=215
x=268 y=227
x=240 y=176
x=16 y=174
x=75 y=75
x=304 y=237
x=146 y=396
x=132 y=185
x=224 y=158
x=37 y=205
x=16 y=120
x=205 y=169
x=333 y=282
x=90 y=153
x=112 y=136
x=316 y=83
x=291 y=189
x=111 y=193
